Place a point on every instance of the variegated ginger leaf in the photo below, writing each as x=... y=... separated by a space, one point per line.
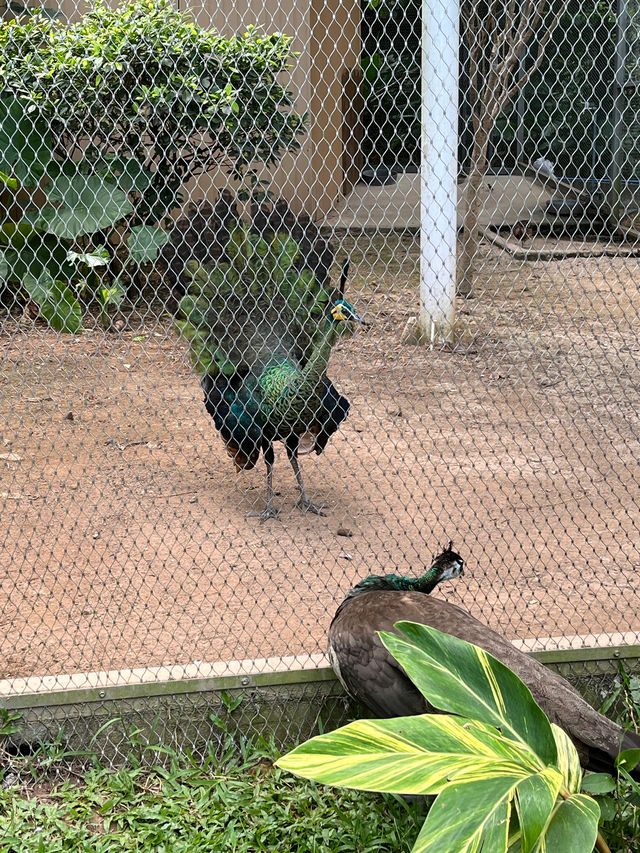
x=568 y=762
x=573 y=828
x=409 y=755
x=460 y=678
x=468 y=817
x=535 y=800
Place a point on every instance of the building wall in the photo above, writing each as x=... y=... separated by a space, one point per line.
x=335 y=57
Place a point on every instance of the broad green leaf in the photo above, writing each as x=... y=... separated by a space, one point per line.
x=11 y=183
x=56 y=302
x=92 y=260
x=89 y=203
x=408 y=755
x=536 y=797
x=628 y=759
x=31 y=253
x=15 y=233
x=460 y=678
x=573 y=827
x=111 y=295
x=145 y=241
x=468 y=817
x=608 y=807
x=25 y=143
x=598 y=783
x=568 y=761
x=128 y=174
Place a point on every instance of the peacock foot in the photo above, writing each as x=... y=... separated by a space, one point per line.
x=308 y=506
x=270 y=511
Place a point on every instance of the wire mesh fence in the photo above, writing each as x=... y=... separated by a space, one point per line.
x=181 y=189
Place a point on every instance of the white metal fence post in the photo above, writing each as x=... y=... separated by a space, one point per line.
x=438 y=174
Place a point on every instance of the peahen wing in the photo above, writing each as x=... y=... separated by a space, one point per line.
x=364 y=667
x=368 y=671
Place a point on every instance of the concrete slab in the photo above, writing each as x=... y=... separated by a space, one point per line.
x=505 y=200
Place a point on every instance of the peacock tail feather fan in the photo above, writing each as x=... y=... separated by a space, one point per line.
x=253 y=309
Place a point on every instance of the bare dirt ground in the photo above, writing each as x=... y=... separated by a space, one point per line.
x=124 y=537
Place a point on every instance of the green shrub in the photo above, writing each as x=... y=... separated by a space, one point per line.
x=144 y=81
x=505 y=778
x=110 y=116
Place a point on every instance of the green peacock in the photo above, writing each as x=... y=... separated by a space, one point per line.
x=261 y=331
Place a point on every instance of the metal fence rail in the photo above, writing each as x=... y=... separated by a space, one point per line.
x=127 y=541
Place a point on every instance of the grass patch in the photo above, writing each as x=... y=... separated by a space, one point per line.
x=233 y=801
x=238 y=803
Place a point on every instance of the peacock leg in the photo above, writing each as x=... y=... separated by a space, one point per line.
x=270 y=511
x=305 y=504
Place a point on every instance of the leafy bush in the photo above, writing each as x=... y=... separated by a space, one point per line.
x=78 y=209
x=506 y=779
x=111 y=115
x=619 y=798
x=144 y=81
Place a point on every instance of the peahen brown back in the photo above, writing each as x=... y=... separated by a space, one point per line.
x=377 y=681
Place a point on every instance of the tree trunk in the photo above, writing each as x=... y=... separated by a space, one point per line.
x=473 y=200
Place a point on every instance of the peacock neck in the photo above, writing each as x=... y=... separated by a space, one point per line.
x=425 y=584
x=318 y=361
x=394 y=583
x=288 y=390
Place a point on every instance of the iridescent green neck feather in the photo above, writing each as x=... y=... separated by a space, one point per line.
x=446 y=566
x=287 y=389
x=424 y=584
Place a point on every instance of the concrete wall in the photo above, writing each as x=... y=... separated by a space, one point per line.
x=284 y=698
x=335 y=55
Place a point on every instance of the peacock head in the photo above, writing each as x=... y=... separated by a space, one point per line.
x=447 y=565
x=343 y=312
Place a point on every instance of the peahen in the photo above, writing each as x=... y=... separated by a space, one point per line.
x=261 y=332
x=374 y=678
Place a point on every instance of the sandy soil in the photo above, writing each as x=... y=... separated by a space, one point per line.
x=124 y=538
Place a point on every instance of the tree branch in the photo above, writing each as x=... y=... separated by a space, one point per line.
x=524 y=79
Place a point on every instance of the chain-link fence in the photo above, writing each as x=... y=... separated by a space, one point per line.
x=181 y=190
